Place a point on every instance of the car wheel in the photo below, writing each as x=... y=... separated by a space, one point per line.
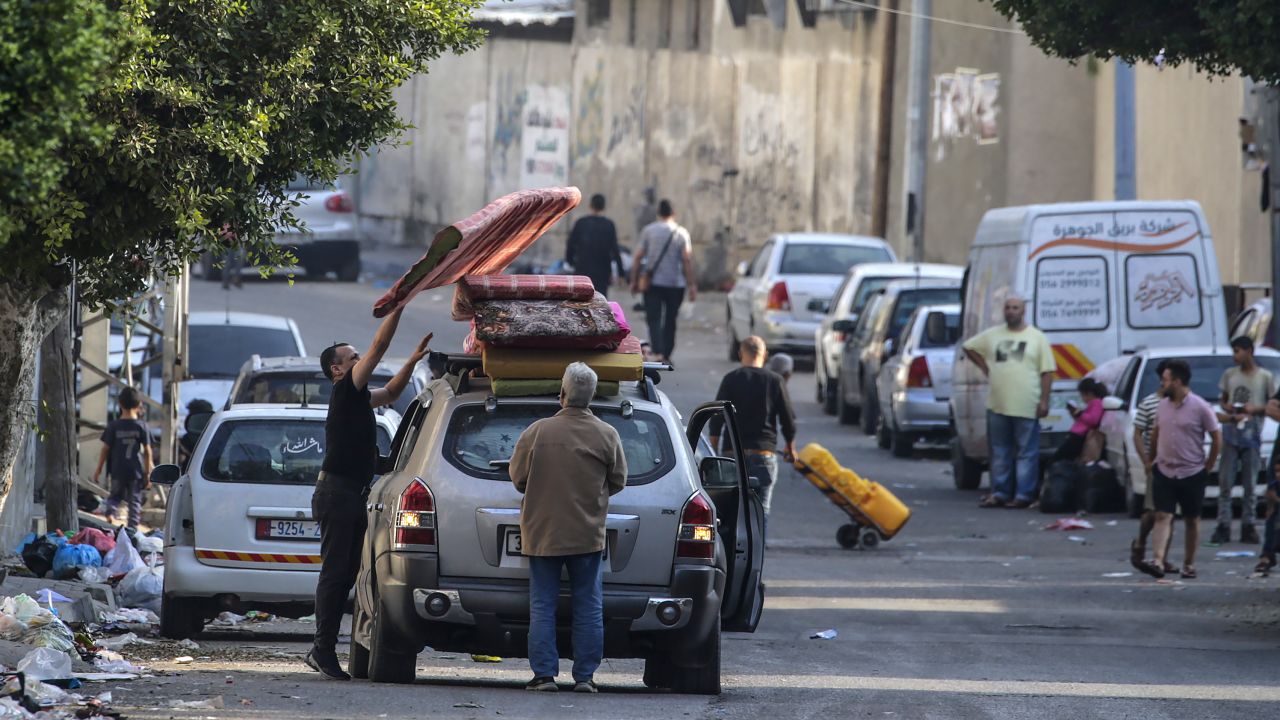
x=882 y=433
x=870 y=410
x=180 y=618
x=820 y=390
x=966 y=472
x=901 y=443
x=847 y=413
x=388 y=662
x=349 y=271
x=659 y=674
x=358 y=660
x=733 y=337
x=704 y=680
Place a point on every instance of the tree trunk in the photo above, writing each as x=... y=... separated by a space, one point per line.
x=58 y=428
x=28 y=309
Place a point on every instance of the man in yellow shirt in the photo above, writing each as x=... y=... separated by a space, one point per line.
x=1019 y=363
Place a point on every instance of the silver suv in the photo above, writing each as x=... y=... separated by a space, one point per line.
x=442 y=565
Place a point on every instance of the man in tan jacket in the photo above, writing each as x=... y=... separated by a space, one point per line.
x=567 y=466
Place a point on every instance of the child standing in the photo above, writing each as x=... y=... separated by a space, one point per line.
x=127 y=444
x=1087 y=418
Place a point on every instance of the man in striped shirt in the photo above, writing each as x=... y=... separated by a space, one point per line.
x=1144 y=421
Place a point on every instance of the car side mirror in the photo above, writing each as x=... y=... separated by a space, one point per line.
x=385 y=464
x=1111 y=402
x=718 y=473
x=844 y=326
x=887 y=349
x=165 y=474
x=935 y=329
x=743 y=267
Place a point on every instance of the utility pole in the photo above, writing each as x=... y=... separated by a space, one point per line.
x=1271 y=122
x=1126 y=176
x=918 y=89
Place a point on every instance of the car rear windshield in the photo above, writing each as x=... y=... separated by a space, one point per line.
x=475 y=437
x=826 y=259
x=291 y=388
x=953 y=333
x=274 y=452
x=909 y=300
x=218 y=351
x=1206 y=373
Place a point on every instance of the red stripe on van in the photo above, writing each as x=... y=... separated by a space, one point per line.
x=1112 y=245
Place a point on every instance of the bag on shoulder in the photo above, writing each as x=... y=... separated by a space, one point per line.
x=645 y=281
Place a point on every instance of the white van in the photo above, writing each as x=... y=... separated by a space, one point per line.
x=1101 y=279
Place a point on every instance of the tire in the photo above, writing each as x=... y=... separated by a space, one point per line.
x=882 y=434
x=847 y=413
x=847 y=536
x=869 y=539
x=870 y=410
x=901 y=443
x=349 y=271
x=210 y=272
x=659 y=673
x=358 y=660
x=388 y=663
x=180 y=618
x=829 y=401
x=967 y=473
x=733 y=337
x=703 y=680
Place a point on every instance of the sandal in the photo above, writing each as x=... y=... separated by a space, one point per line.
x=1137 y=554
x=1264 y=565
x=1019 y=504
x=991 y=501
x=1170 y=568
x=1188 y=573
x=1151 y=569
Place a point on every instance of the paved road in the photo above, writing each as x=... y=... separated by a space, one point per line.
x=967 y=614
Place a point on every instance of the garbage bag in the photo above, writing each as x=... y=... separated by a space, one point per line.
x=142 y=587
x=103 y=541
x=38 y=554
x=11 y=628
x=70 y=557
x=124 y=556
x=48 y=631
x=148 y=544
x=94 y=574
x=45 y=664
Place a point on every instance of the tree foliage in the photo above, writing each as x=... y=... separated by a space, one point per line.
x=158 y=129
x=1217 y=36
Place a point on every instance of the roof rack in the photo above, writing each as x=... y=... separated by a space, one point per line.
x=465 y=366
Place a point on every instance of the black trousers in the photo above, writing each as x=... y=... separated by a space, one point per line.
x=1070 y=448
x=600 y=279
x=338 y=504
x=661 y=308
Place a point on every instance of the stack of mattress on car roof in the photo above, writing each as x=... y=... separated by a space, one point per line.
x=529 y=328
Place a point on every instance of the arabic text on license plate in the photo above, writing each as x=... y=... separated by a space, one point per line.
x=294 y=529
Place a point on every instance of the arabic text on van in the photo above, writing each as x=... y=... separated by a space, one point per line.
x=1147 y=227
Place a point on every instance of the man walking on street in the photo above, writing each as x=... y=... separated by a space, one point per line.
x=1180 y=470
x=1019 y=363
x=350 y=461
x=1144 y=421
x=1245 y=390
x=567 y=466
x=593 y=246
x=760 y=398
x=666 y=254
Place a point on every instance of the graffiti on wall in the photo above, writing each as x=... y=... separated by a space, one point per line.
x=628 y=121
x=544 y=139
x=589 y=129
x=966 y=105
x=507 y=125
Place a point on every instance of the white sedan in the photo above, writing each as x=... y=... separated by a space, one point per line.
x=1135 y=378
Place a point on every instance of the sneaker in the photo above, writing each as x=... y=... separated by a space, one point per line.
x=326 y=663
x=542 y=684
x=1249 y=534
x=586 y=686
x=1221 y=535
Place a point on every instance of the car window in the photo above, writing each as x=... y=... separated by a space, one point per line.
x=275 y=451
x=953 y=332
x=475 y=437
x=840 y=303
x=827 y=259
x=761 y=260
x=1206 y=372
x=292 y=388
x=866 y=321
x=866 y=288
x=909 y=300
x=218 y=351
x=1124 y=386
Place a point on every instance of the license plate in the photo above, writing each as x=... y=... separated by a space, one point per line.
x=293 y=530
x=515 y=549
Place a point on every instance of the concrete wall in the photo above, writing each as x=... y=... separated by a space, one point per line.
x=748 y=130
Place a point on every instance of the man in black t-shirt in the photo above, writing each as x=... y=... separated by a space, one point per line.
x=350 y=460
x=760 y=398
x=593 y=246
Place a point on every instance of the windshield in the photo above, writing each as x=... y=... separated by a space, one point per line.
x=218 y=351
x=276 y=451
x=1206 y=372
x=291 y=388
x=826 y=259
x=476 y=437
x=909 y=300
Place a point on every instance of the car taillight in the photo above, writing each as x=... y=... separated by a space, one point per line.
x=262 y=529
x=918 y=374
x=339 y=202
x=415 y=521
x=779 y=299
x=697 y=537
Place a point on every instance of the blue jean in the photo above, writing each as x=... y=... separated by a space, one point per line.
x=1015 y=452
x=1244 y=460
x=585 y=580
x=765 y=469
